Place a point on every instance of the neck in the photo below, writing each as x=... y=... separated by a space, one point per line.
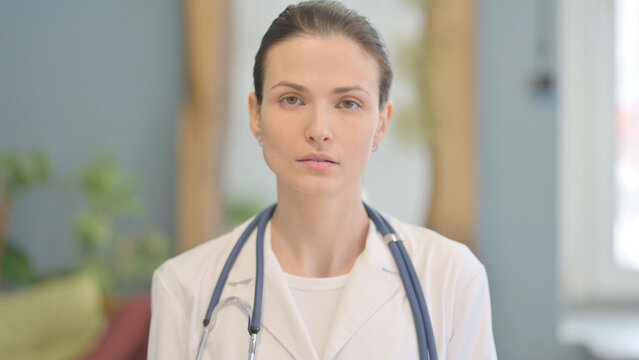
x=318 y=235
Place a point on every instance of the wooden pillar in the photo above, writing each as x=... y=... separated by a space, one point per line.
x=449 y=84
x=202 y=130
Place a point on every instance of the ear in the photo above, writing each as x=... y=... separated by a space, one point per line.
x=255 y=124
x=385 y=116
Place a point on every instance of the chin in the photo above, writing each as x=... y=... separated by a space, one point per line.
x=317 y=186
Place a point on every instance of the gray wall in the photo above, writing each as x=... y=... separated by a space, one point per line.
x=78 y=77
x=517 y=161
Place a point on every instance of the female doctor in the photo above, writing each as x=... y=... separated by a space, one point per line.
x=331 y=288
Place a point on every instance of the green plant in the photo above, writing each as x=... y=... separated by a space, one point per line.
x=116 y=244
x=18 y=173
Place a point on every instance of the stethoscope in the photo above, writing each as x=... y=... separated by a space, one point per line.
x=425 y=336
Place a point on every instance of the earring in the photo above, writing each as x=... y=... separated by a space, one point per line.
x=259 y=141
x=375 y=147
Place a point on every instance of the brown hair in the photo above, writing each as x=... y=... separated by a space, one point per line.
x=325 y=18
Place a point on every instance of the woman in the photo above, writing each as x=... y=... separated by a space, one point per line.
x=331 y=286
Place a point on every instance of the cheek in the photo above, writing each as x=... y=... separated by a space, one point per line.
x=360 y=144
x=278 y=142
x=280 y=133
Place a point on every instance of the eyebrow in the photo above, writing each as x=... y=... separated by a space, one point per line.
x=291 y=85
x=301 y=88
x=340 y=90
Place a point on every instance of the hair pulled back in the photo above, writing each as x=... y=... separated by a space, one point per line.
x=325 y=18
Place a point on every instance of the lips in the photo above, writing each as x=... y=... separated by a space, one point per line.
x=318 y=161
x=318 y=157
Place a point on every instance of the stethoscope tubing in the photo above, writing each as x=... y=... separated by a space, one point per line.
x=408 y=275
x=412 y=300
x=256 y=320
x=419 y=293
x=414 y=293
x=421 y=300
x=226 y=269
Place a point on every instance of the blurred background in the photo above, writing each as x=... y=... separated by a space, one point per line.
x=124 y=141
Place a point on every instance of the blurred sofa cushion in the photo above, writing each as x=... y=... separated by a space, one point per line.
x=56 y=319
x=127 y=335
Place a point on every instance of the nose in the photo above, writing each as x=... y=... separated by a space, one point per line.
x=319 y=127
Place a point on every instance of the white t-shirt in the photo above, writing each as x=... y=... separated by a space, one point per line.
x=317 y=300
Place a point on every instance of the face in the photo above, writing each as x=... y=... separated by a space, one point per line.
x=320 y=116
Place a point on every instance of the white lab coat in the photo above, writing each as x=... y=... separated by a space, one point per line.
x=373 y=319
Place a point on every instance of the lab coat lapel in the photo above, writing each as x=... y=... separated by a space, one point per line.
x=373 y=281
x=371 y=284
x=280 y=314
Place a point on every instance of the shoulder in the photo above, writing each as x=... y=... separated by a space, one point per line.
x=433 y=253
x=184 y=273
x=456 y=291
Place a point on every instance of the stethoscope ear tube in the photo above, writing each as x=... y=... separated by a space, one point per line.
x=200 y=349
x=246 y=307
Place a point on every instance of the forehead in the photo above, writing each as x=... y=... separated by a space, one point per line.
x=321 y=61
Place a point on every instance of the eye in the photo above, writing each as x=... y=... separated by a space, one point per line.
x=291 y=101
x=349 y=105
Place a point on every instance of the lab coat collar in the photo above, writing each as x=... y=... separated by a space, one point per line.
x=376 y=253
x=374 y=274
x=244 y=267
x=371 y=284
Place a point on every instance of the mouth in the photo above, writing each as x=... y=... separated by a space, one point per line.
x=317 y=158
x=318 y=161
